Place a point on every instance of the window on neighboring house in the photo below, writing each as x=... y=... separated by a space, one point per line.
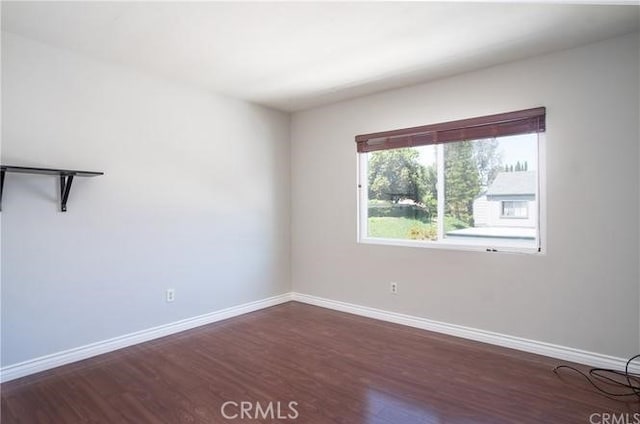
x=515 y=209
x=453 y=184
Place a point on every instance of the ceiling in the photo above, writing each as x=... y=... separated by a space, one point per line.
x=297 y=55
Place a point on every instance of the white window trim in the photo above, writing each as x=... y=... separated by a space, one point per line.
x=439 y=188
x=541 y=195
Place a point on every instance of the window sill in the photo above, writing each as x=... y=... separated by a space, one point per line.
x=453 y=246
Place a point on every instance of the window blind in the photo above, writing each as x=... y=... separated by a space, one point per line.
x=502 y=124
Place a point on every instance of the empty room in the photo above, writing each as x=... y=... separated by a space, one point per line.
x=320 y=212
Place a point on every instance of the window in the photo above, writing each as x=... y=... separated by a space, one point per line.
x=472 y=184
x=515 y=209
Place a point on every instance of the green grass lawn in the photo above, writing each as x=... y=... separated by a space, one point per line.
x=400 y=228
x=397 y=228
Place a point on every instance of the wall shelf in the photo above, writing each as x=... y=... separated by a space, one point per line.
x=66 y=178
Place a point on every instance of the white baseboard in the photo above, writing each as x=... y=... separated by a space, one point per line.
x=44 y=363
x=541 y=348
x=57 y=359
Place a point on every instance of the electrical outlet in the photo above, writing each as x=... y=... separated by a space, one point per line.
x=171 y=295
x=393 y=287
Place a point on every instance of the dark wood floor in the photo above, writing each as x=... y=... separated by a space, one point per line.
x=339 y=368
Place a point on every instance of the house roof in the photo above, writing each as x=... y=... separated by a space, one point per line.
x=513 y=183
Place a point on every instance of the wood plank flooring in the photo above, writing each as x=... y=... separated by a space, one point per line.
x=338 y=368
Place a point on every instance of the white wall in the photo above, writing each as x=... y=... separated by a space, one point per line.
x=195 y=197
x=583 y=293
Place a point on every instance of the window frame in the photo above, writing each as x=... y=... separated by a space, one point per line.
x=448 y=244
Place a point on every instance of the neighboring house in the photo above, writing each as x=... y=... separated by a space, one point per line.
x=507 y=209
x=508 y=202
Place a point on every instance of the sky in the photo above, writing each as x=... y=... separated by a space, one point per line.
x=518 y=148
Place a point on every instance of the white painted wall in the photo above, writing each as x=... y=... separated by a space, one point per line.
x=583 y=293
x=195 y=197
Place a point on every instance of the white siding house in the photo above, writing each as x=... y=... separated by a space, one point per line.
x=510 y=201
x=508 y=209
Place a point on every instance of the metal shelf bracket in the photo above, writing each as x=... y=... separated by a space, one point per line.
x=65 y=188
x=2 y=172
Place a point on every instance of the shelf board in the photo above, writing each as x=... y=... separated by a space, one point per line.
x=66 y=178
x=48 y=171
